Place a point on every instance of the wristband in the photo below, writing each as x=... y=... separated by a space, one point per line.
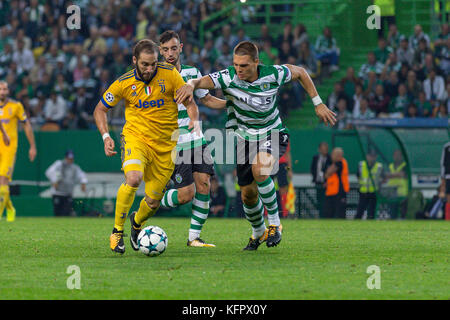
x=316 y=101
x=105 y=135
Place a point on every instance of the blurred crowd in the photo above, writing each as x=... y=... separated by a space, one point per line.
x=59 y=74
x=406 y=76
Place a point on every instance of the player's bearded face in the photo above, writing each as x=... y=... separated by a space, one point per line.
x=146 y=65
x=3 y=91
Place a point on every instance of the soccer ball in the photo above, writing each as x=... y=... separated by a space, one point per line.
x=152 y=241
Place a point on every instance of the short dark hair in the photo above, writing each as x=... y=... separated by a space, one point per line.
x=246 y=48
x=145 y=45
x=167 y=36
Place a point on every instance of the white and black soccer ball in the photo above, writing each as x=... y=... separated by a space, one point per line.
x=152 y=241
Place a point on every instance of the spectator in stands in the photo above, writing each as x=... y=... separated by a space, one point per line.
x=240 y=36
x=394 y=37
x=55 y=108
x=39 y=69
x=226 y=37
x=225 y=57
x=364 y=112
x=349 y=82
x=412 y=112
x=448 y=97
x=44 y=88
x=405 y=53
x=285 y=52
x=398 y=106
x=383 y=51
x=308 y=60
x=372 y=65
x=337 y=186
x=419 y=55
x=414 y=40
x=209 y=51
x=357 y=97
x=391 y=84
x=391 y=64
x=434 y=87
x=300 y=35
x=342 y=115
x=424 y=107
x=265 y=35
x=403 y=74
x=370 y=84
x=23 y=57
x=268 y=53
x=286 y=35
x=326 y=50
x=338 y=93
x=81 y=113
x=413 y=86
x=380 y=101
x=441 y=40
x=218 y=199
x=64 y=175
x=95 y=45
x=441 y=111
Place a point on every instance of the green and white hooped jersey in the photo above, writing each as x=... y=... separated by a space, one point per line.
x=252 y=107
x=189 y=140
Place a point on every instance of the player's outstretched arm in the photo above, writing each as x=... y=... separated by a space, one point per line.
x=5 y=136
x=322 y=111
x=101 y=120
x=213 y=102
x=187 y=91
x=193 y=113
x=30 y=137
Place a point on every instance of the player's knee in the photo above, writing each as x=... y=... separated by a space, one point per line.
x=249 y=197
x=134 y=179
x=4 y=180
x=152 y=203
x=203 y=186
x=186 y=195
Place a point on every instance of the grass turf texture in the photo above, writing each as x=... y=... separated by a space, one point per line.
x=317 y=259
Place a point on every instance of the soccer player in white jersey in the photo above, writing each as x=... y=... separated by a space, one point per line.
x=194 y=165
x=251 y=90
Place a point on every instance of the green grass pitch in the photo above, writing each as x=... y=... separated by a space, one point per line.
x=317 y=259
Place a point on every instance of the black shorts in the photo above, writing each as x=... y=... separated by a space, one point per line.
x=282 y=175
x=189 y=161
x=247 y=151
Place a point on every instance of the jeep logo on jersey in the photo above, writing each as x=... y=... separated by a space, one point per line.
x=152 y=103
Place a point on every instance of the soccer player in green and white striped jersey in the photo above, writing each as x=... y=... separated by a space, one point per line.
x=251 y=90
x=191 y=179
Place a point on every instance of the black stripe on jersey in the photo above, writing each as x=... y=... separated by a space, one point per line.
x=131 y=72
x=165 y=66
x=125 y=78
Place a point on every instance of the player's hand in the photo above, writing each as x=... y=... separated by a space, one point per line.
x=109 y=147
x=325 y=114
x=195 y=127
x=185 y=92
x=6 y=139
x=32 y=153
x=442 y=194
x=83 y=188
